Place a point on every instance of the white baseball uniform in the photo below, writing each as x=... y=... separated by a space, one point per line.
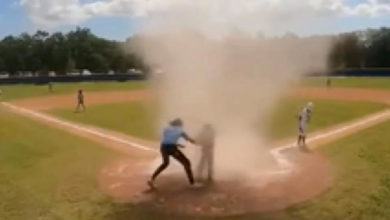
x=303 y=119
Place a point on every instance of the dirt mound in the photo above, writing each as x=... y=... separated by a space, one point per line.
x=125 y=181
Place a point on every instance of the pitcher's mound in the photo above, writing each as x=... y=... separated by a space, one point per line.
x=125 y=181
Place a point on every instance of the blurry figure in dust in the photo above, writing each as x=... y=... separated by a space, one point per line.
x=80 y=101
x=328 y=83
x=50 y=86
x=206 y=140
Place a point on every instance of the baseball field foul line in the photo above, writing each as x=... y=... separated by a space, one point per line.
x=48 y=118
x=375 y=117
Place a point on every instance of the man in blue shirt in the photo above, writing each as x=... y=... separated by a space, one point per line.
x=169 y=147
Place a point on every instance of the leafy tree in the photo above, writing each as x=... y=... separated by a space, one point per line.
x=78 y=49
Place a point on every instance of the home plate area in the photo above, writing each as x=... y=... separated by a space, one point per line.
x=274 y=189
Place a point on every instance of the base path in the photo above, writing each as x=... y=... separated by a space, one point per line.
x=66 y=101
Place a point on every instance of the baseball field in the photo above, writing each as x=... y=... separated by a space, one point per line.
x=57 y=164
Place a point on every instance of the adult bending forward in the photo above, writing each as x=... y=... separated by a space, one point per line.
x=169 y=147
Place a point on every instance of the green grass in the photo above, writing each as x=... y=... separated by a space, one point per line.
x=48 y=174
x=350 y=82
x=361 y=188
x=325 y=114
x=11 y=92
x=136 y=118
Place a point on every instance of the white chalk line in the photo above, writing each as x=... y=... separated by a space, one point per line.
x=76 y=127
x=285 y=165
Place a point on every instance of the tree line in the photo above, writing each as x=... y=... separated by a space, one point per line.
x=362 y=49
x=80 y=49
x=64 y=53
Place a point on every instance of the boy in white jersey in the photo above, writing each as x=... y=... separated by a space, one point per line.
x=303 y=118
x=206 y=140
x=169 y=147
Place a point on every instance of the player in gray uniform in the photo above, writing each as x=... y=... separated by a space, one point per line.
x=206 y=140
x=304 y=118
x=80 y=101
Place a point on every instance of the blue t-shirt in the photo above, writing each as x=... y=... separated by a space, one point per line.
x=172 y=134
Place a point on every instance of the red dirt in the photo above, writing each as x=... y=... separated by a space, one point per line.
x=125 y=181
x=62 y=101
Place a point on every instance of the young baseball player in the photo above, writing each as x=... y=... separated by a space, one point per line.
x=169 y=147
x=50 y=86
x=206 y=140
x=328 y=83
x=304 y=118
x=80 y=101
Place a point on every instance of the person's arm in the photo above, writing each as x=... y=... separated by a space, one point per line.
x=188 y=138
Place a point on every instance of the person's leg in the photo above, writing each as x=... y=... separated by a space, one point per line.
x=299 y=140
x=178 y=155
x=77 y=107
x=210 y=164
x=301 y=134
x=164 y=165
x=200 y=169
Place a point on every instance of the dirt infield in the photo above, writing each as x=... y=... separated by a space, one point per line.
x=66 y=101
x=124 y=180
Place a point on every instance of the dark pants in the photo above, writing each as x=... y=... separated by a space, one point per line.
x=171 y=150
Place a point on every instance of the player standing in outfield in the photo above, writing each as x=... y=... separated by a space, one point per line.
x=169 y=147
x=206 y=139
x=80 y=101
x=50 y=86
x=304 y=118
x=328 y=83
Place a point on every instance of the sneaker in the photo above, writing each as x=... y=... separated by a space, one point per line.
x=197 y=185
x=151 y=184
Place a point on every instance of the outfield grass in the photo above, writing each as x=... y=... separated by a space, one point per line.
x=138 y=120
x=362 y=180
x=48 y=174
x=134 y=118
x=11 y=92
x=350 y=82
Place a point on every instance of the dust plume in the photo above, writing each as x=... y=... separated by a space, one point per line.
x=216 y=70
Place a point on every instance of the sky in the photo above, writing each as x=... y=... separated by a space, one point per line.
x=119 y=19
